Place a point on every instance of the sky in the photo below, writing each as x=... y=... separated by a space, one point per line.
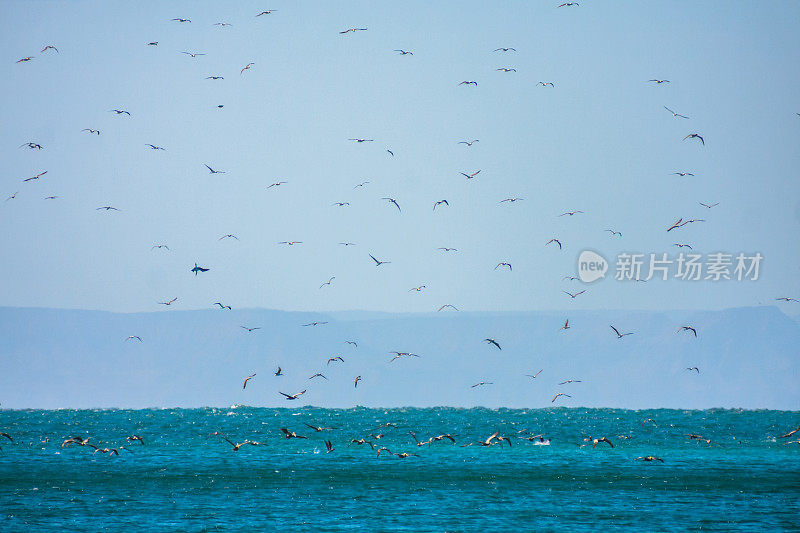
x=598 y=141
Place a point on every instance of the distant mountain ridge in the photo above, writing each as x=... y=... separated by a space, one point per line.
x=51 y=358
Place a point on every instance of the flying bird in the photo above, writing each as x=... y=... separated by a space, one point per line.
x=214 y=171
x=574 y=295
x=340 y=204
x=506 y=69
x=362 y=140
x=439 y=203
x=674 y=114
x=276 y=184
x=504 y=265
x=687 y=328
x=119 y=111
x=569 y=4
x=683 y=173
x=318 y=375
x=132 y=337
x=198 y=269
x=338 y=358
x=469 y=143
x=313 y=324
x=545 y=84
x=447 y=249
x=470 y=176
x=512 y=200
x=570 y=213
x=228 y=236
x=620 y=335
x=361 y=184
x=153 y=146
x=614 y=232
x=90 y=130
x=695 y=136
x=267 y=12
x=494 y=342
x=475 y=83
x=354 y=343
x=215 y=78
x=404 y=52
x=181 y=20
x=193 y=54
x=693 y=368
x=533 y=376
x=290 y=243
x=278 y=372
x=328 y=282
x=393 y=201
x=570 y=381
x=249 y=330
x=482 y=383
x=352 y=30
x=649 y=458
x=566 y=324
x=36 y=177
x=781 y=299
x=378 y=263
x=160 y=246
x=107 y=208
x=555 y=241
x=292 y=396
x=248 y=378
x=453 y=307
x=31 y=145
x=708 y=205
x=246 y=67
x=660 y=81
x=559 y=394
x=689 y=246
x=504 y=49
x=169 y=302
x=48 y=47
x=355 y=382
x=25 y=59
x=418 y=289
x=221 y=306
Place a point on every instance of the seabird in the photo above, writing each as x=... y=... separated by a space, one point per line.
x=248 y=378
x=292 y=396
x=494 y=342
x=620 y=335
x=198 y=269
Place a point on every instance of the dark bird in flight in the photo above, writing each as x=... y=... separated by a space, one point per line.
x=475 y=83
x=36 y=177
x=193 y=54
x=693 y=368
x=90 y=130
x=595 y=442
x=469 y=143
x=228 y=236
x=504 y=49
x=494 y=342
x=566 y=324
x=49 y=47
x=31 y=145
x=291 y=434
x=169 y=302
x=132 y=337
x=290 y=243
x=353 y=30
x=318 y=375
x=439 y=203
x=355 y=382
x=614 y=232
x=278 y=372
x=393 y=201
x=362 y=140
x=181 y=20
x=221 y=306
x=482 y=383
x=545 y=84
x=246 y=67
x=404 y=52
x=24 y=59
x=378 y=263
x=689 y=246
x=781 y=299
x=267 y=12
x=276 y=184
x=50 y=197
x=328 y=282
x=340 y=204
x=695 y=136
x=453 y=307
x=314 y=324
x=683 y=173
x=512 y=200
x=119 y=111
x=133 y=438
x=674 y=114
x=214 y=171
x=570 y=213
x=677 y=224
x=448 y=249
x=785 y=436
x=152 y=43
x=153 y=146
x=707 y=205
x=620 y=335
x=555 y=241
x=248 y=378
x=338 y=358
x=470 y=176
x=559 y=394
x=506 y=69
x=249 y=330
x=292 y=396
x=503 y=265
x=107 y=208
x=660 y=81
x=390 y=152
x=198 y=269
x=361 y=184
x=687 y=328
x=354 y=343
x=160 y=246
x=574 y=295
x=569 y=4
x=533 y=376
x=570 y=381
x=215 y=78
x=318 y=429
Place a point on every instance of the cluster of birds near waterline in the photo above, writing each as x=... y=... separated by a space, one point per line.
x=378 y=440
x=502 y=266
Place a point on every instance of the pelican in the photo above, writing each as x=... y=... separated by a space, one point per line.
x=404 y=52
x=559 y=394
x=786 y=299
x=595 y=442
x=453 y=307
x=785 y=436
x=359 y=442
x=133 y=438
x=292 y=396
x=290 y=243
x=348 y=30
x=107 y=208
x=159 y=246
x=228 y=236
x=512 y=200
x=689 y=246
x=152 y=43
x=276 y=184
x=469 y=143
x=674 y=114
x=355 y=382
x=470 y=176
x=677 y=224
x=555 y=241
x=340 y=204
x=418 y=289
x=361 y=184
x=695 y=136
x=649 y=458
x=614 y=232
x=439 y=203
x=448 y=249
x=222 y=306
x=317 y=428
x=393 y=201
x=329 y=446
x=354 y=343
x=688 y=328
x=249 y=329
x=31 y=145
x=494 y=342
x=569 y=4
x=214 y=171
x=503 y=265
x=279 y=373
x=692 y=436
x=132 y=337
x=169 y=302
x=620 y=335
x=570 y=381
x=36 y=177
x=246 y=67
x=239 y=445
x=222 y=24
x=378 y=263
x=291 y=434
x=248 y=378
x=574 y=295
x=708 y=205
x=215 y=78
x=48 y=47
x=475 y=83
x=198 y=269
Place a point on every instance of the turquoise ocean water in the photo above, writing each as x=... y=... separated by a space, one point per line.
x=186 y=479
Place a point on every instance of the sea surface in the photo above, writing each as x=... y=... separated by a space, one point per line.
x=185 y=478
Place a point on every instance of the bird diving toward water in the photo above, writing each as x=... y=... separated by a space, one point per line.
x=378 y=263
x=503 y=265
x=687 y=328
x=248 y=378
x=214 y=171
x=222 y=306
x=393 y=201
x=555 y=241
x=574 y=295
x=493 y=342
x=470 y=176
x=169 y=302
x=695 y=136
x=440 y=202
x=453 y=307
x=198 y=269
x=293 y=396
x=348 y=30
x=620 y=335
x=674 y=114
x=475 y=83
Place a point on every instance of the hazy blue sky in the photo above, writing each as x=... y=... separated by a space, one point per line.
x=600 y=141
